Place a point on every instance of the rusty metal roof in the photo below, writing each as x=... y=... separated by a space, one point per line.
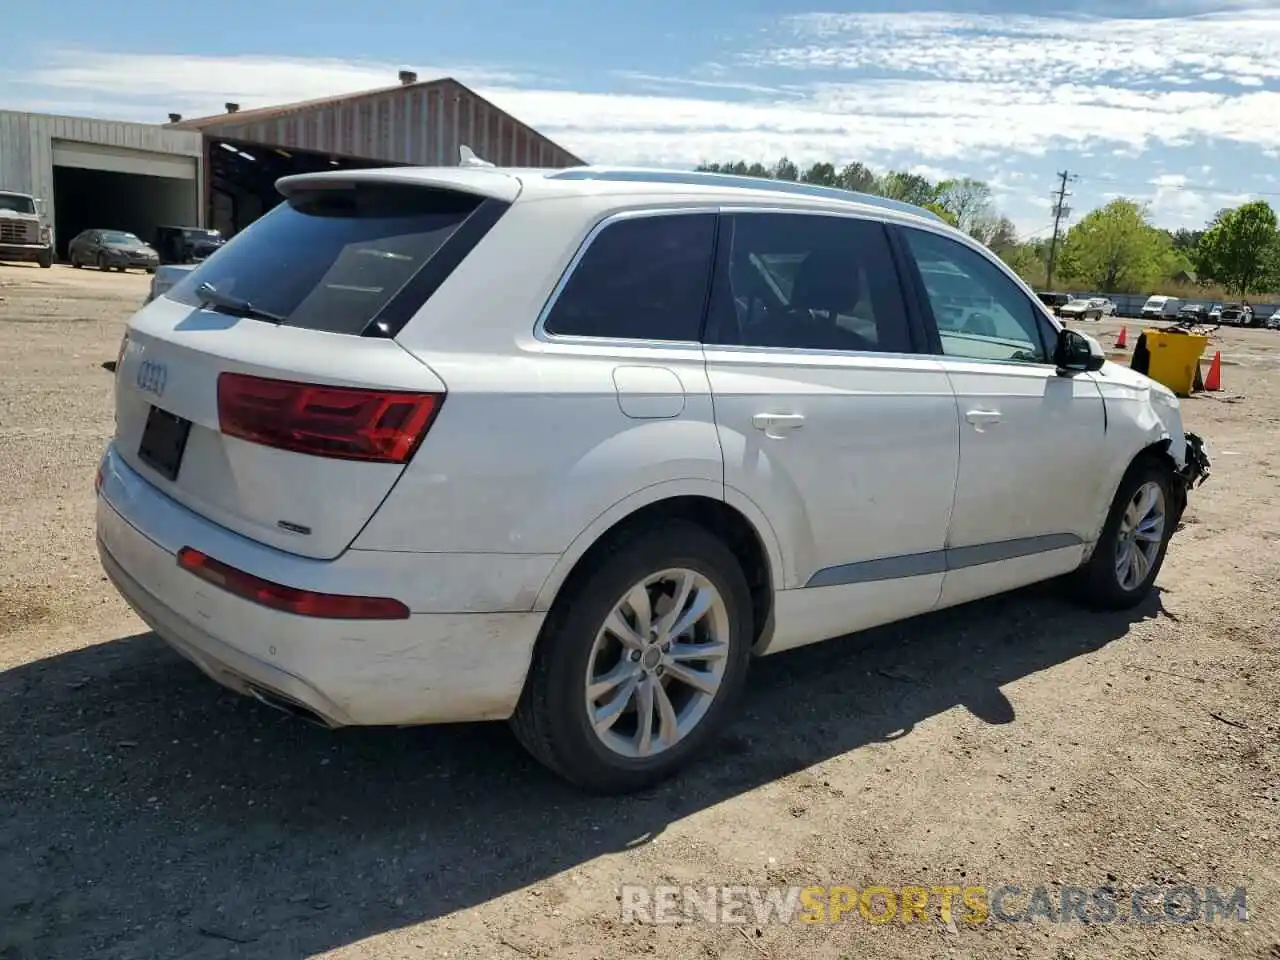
x=212 y=124
x=259 y=114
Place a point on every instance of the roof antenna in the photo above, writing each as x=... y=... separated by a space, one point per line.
x=467 y=158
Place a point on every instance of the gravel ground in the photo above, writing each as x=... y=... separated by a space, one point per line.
x=145 y=813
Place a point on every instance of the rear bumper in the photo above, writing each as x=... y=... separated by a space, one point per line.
x=430 y=668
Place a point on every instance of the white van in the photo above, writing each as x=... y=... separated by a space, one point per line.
x=1160 y=307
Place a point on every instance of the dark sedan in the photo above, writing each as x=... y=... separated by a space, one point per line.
x=111 y=250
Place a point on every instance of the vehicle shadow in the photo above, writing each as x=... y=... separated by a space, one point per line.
x=145 y=812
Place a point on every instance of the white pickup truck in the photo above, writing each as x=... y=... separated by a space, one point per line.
x=24 y=233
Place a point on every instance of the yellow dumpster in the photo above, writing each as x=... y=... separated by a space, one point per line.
x=1170 y=358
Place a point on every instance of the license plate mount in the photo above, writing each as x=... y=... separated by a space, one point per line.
x=164 y=441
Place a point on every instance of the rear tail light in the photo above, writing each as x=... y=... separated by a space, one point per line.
x=304 y=603
x=344 y=423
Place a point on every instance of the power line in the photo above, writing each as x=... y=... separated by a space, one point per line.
x=1060 y=210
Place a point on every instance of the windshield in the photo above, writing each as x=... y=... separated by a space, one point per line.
x=202 y=234
x=117 y=238
x=17 y=203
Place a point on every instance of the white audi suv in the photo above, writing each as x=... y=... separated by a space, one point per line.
x=571 y=448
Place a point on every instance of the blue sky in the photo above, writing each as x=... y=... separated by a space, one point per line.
x=1175 y=102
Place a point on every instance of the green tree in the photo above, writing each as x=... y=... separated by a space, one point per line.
x=857 y=176
x=822 y=174
x=1027 y=260
x=1115 y=249
x=908 y=187
x=1239 y=250
x=786 y=170
x=969 y=201
x=943 y=212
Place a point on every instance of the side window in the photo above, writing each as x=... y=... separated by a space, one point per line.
x=642 y=278
x=981 y=314
x=806 y=281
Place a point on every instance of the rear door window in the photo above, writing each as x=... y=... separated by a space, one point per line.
x=331 y=259
x=810 y=282
x=641 y=278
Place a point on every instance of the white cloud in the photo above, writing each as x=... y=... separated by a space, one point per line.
x=946 y=93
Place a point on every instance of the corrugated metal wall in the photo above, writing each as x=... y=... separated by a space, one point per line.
x=26 y=146
x=421 y=125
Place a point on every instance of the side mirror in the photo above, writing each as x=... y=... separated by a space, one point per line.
x=1077 y=352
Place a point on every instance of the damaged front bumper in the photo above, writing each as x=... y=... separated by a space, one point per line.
x=1195 y=471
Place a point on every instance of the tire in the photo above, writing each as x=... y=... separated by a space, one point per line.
x=75 y=262
x=1098 y=583
x=552 y=719
x=122 y=269
x=46 y=259
x=102 y=263
x=151 y=269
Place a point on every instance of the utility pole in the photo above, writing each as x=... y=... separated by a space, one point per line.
x=1060 y=210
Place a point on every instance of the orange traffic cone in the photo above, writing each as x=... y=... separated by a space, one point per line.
x=1123 y=339
x=1214 y=380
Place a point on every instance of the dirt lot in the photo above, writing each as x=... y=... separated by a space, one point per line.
x=145 y=813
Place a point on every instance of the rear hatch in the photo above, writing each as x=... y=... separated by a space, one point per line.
x=293 y=430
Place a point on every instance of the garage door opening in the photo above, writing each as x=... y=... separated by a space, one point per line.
x=105 y=188
x=242 y=178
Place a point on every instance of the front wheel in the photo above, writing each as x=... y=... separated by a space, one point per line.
x=1129 y=554
x=641 y=662
x=46 y=259
x=102 y=263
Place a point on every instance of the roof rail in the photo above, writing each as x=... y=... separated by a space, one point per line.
x=710 y=179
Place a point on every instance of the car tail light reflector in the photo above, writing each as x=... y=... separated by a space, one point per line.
x=304 y=603
x=344 y=423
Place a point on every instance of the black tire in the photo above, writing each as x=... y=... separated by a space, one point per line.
x=102 y=263
x=1096 y=584
x=75 y=262
x=46 y=259
x=122 y=269
x=151 y=269
x=551 y=719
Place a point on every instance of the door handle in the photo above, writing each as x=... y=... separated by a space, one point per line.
x=774 y=425
x=980 y=418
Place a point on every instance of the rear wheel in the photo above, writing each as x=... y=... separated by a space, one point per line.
x=1129 y=554
x=641 y=662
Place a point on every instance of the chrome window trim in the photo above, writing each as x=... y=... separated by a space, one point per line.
x=540 y=327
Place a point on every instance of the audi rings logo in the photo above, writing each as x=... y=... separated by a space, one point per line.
x=151 y=377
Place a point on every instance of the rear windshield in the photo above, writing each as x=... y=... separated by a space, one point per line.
x=330 y=259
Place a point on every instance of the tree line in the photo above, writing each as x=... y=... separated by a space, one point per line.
x=1114 y=249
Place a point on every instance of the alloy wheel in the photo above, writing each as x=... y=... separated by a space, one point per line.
x=657 y=663
x=1140 y=535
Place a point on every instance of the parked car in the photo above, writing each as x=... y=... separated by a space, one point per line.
x=1160 y=308
x=111 y=250
x=571 y=447
x=1094 y=308
x=25 y=234
x=1215 y=313
x=1238 y=315
x=1054 y=301
x=186 y=244
x=1193 y=313
x=1273 y=321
